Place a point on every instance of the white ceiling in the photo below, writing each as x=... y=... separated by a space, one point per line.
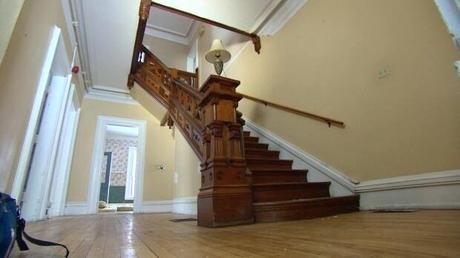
x=173 y=27
x=246 y=15
x=108 y=32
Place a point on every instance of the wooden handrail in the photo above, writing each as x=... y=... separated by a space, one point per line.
x=254 y=37
x=329 y=121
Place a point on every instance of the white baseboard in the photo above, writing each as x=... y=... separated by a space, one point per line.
x=156 y=206
x=318 y=171
x=75 y=208
x=437 y=190
x=185 y=205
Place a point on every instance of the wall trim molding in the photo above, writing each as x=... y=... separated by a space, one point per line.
x=185 y=205
x=434 y=190
x=156 y=206
x=448 y=177
x=75 y=208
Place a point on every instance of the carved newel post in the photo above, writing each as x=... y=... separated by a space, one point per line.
x=225 y=196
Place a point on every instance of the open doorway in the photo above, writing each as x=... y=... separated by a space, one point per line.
x=118 y=169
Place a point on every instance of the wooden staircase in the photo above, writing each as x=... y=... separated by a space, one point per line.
x=242 y=180
x=282 y=193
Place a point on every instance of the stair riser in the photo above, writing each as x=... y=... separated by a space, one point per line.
x=262 y=155
x=310 y=213
x=251 y=139
x=279 y=177
x=253 y=145
x=262 y=166
x=305 y=210
x=274 y=193
x=268 y=164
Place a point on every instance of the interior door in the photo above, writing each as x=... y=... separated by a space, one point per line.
x=39 y=172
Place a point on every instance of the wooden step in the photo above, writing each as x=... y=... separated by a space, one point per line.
x=246 y=133
x=255 y=145
x=281 y=176
x=261 y=164
x=273 y=192
x=261 y=154
x=251 y=139
x=304 y=208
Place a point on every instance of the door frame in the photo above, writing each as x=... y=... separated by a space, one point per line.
x=97 y=158
x=55 y=55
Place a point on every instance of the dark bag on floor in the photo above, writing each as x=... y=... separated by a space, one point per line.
x=12 y=229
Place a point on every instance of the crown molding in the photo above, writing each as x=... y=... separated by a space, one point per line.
x=111 y=89
x=157 y=32
x=110 y=96
x=264 y=16
x=166 y=35
x=283 y=14
x=171 y=31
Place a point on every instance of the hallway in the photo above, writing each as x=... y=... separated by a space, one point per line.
x=364 y=234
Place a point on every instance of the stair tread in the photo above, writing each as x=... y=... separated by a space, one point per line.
x=304 y=200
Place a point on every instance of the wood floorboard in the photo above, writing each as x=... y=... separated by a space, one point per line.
x=429 y=233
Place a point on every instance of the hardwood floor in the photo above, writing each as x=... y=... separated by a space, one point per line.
x=362 y=234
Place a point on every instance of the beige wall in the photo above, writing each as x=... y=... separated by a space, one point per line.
x=186 y=163
x=232 y=42
x=159 y=150
x=172 y=54
x=188 y=178
x=327 y=59
x=19 y=76
x=9 y=13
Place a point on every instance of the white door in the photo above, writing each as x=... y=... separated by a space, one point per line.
x=64 y=155
x=41 y=163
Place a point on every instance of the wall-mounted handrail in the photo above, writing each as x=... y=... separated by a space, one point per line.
x=329 y=121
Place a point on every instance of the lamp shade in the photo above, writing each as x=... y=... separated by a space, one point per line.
x=217 y=53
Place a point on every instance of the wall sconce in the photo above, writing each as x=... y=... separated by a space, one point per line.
x=218 y=55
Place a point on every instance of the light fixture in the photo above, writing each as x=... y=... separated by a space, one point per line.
x=217 y=55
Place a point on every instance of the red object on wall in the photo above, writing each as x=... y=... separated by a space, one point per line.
x=75 y=69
